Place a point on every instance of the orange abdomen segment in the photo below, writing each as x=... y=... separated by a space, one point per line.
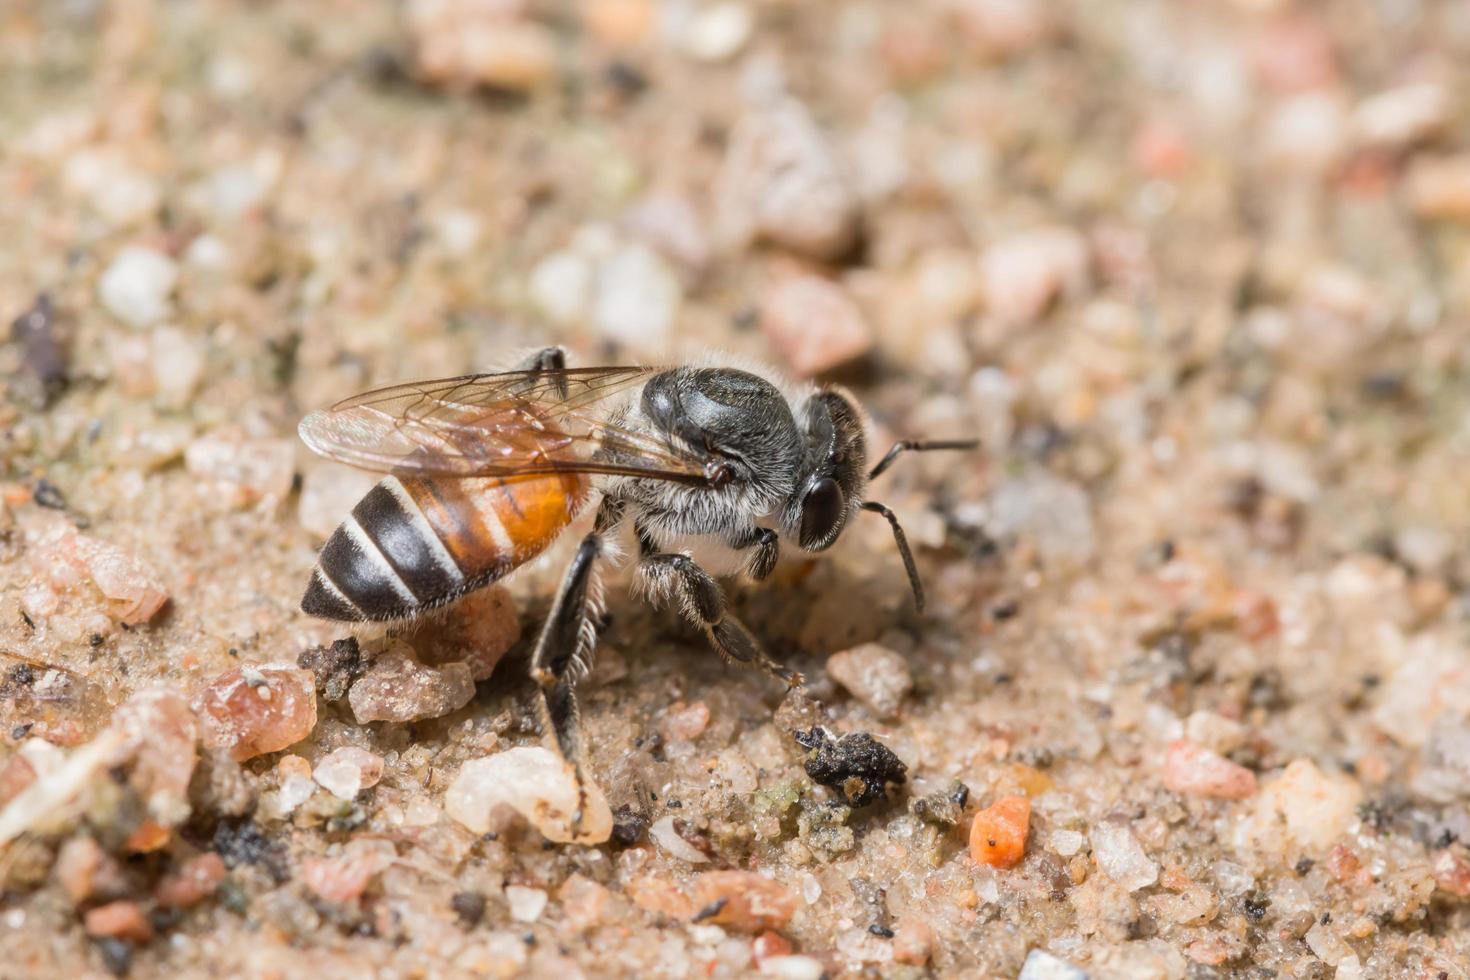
x=491 y=525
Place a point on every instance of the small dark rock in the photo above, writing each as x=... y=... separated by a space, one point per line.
x=629 y=825
x=469 y=906
x=241 y=842
x=943 y=809
x=42 y=350
x=856 y=765
x=335 y=667
x=46 y=494
x=117 y=955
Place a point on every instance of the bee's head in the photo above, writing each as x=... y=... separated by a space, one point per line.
x=834 y=472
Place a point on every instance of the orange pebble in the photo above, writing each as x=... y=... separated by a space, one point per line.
x=998 y=835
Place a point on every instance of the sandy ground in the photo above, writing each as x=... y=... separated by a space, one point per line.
x=1198 y=275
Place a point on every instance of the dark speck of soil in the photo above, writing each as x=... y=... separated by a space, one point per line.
x=335 y=667
x=241 y=842
x=856 y=765
x=469 y=906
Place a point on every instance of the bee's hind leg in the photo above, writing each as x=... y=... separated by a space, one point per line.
x=563 y=651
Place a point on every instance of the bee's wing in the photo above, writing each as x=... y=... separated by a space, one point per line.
x=511 y=424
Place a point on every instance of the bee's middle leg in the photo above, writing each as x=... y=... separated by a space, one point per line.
x=700 y=600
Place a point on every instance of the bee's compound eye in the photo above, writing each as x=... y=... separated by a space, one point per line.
x=822 y=512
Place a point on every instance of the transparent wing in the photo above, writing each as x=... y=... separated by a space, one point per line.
x=509 y=424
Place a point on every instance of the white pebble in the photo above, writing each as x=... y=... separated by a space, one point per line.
x=560 y=286
x=636 y=298
x=1121 y=857
x=526 y=904
x=1041 y=965
x=136 y=286
x=1067 y=842
x=793 y=968
x=665 y=836
x=1024 y=274
x=1402 y=115
x=717 y=33
x=535 y=782
x=347 y=771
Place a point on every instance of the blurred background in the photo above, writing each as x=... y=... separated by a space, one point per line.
x=1197 y=274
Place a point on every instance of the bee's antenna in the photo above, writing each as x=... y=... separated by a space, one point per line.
x=903 y=546
x=920 y=446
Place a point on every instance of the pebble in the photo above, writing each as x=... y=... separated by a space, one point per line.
x=136 y=286
x=685 y=722
x=1301 y=808
x=873 y=674
x=1306 y=134
x=345 y=877
x=814 y=324
x=477 y=631
x=665 y=833
x=1023 y=275
x=780 y=181
x=84 y=870
x=535 y=782
x=560 y=285
x=253 y=711
x=1194 y=770
x=197 y=880
x=398 y=688
x=998 y=833
x=177 y=366
x=718 y=32
x=635 y=299
x=1451 y=871
x=584 y=902
x=793 y=968
x=119 y=920
x=1294 y=54
x=1444 y=770
x=619 y=22
x=1329 y=947
x=913 y=941
x=669 y=223
x=61 y=557
x=744 y=901
x=1214 y=731
x=1439 y=187
x=525 y=904
x=1121 y=857
x=1067 y=842
x=329 y=491
x=162 y=734
x=1402 y=116
x=294 y=785
x=468 y=42
x=1429 y=678
x=131 y=587
x=121 y=193
x=245 y=470
x=1041 y=965
x=347 y=771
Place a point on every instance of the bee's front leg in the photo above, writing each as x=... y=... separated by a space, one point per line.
x=764 y=546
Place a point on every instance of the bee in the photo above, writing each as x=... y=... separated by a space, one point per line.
x=708 y=469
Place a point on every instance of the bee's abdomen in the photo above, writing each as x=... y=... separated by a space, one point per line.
x=417 y=543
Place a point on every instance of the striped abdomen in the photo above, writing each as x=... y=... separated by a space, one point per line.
x=415 y=543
